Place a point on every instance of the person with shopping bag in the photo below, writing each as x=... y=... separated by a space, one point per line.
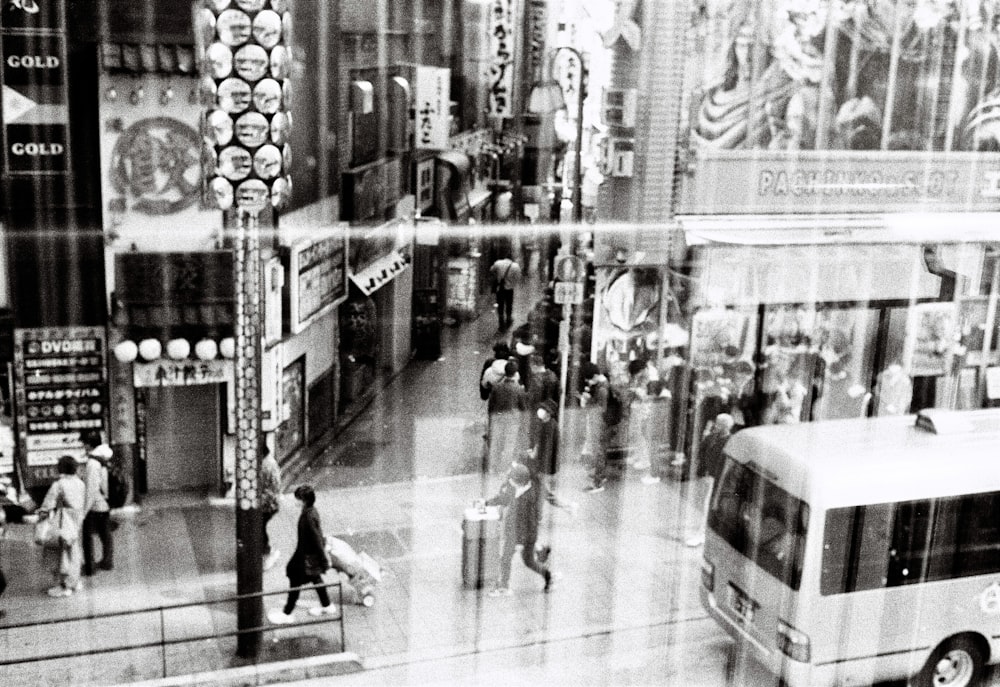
x=59 y=528
x=308 y=562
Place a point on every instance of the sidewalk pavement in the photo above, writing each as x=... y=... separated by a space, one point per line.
x=622 y=557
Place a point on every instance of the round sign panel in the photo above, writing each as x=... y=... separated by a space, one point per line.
x=233 y=95
x=251 y=62
x=220 y=60
x=220 y=193
x=250 y=5
x=204 y=28
x=267 y=162
x=281 y=191
x=280 y=125
x=280 y=60
x=219 y=128
x=252 y=195
x=267 y=28
x=206 y=90
x=233 y=27
x=235 y=163
x=286 y=27
x=252 y=129
x=267 y=96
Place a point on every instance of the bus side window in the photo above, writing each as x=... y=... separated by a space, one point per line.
x=856 y=546
x=908 y=555
x=978 y=540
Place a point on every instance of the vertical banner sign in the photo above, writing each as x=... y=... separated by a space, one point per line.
x=60 y=390
x=33 y=73
x=501 y=58
x=537 y=27
x=432 y=96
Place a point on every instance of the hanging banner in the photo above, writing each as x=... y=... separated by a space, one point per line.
x=60 y=388
x=814 y=107
x=501 y=58
x=432 y=100
x=537 y=28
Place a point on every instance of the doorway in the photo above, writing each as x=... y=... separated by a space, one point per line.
x=183 y=440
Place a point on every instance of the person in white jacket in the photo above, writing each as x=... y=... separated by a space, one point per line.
x=97 y=521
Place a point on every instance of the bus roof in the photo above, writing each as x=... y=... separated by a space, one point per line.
x=877 y=460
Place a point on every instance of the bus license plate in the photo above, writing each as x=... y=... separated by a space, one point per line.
x=742 y=604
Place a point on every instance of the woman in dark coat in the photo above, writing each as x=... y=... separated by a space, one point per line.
x=308 y=563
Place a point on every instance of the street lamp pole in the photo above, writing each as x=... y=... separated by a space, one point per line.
x=245 y=64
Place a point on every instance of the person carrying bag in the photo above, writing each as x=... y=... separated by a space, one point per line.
x=63 y=510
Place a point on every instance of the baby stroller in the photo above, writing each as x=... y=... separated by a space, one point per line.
x=362 y=572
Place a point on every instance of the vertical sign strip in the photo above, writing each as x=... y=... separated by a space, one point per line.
x=501 y=58
x=34 y=81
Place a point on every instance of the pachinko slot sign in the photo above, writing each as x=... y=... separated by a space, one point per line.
x=843 y=106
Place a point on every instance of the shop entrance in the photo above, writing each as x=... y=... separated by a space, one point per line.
x=183 y=441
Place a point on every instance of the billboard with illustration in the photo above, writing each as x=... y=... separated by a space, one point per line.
x=843 y=105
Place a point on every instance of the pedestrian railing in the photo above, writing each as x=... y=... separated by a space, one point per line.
x=48 y=652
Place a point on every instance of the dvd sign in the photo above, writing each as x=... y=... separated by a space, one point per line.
x=61 y=389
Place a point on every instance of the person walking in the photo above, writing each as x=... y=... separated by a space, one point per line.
x=506 y=275
x=542 y=456
x=506 y=406
x=709 y=467
x=543 y=384
x=308 y=562
x=594 y=400
x=270 y=502
x=520 y=498
x=501 y=352
x=97 y=521
x=65 y=500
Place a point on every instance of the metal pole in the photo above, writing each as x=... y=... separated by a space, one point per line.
x=249 y=533
x=564 y=367
x=578 y=153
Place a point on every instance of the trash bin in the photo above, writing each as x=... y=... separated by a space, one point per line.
x=480 y=546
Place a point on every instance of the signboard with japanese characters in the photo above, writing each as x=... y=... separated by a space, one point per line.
x=431 y=97
x=151 y=164
x=60 y=387
x=35 y=100
x=318 y=283
x=182 y=372
x=827 y=107
x=501 y=58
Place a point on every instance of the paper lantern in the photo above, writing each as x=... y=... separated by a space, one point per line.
x=126 y=351
x=227 y=347
x=178 y=349
x=150 y=349
x=206 y=349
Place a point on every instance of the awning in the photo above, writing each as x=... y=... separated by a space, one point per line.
x=380 y=272
x=744 y=260
x=456 y=159
x=799 y=230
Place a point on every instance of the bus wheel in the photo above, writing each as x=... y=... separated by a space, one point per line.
x=957 y=662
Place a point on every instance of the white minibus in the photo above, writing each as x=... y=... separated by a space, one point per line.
x=848 y=552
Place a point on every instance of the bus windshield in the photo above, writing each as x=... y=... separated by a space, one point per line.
x=761 y=521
